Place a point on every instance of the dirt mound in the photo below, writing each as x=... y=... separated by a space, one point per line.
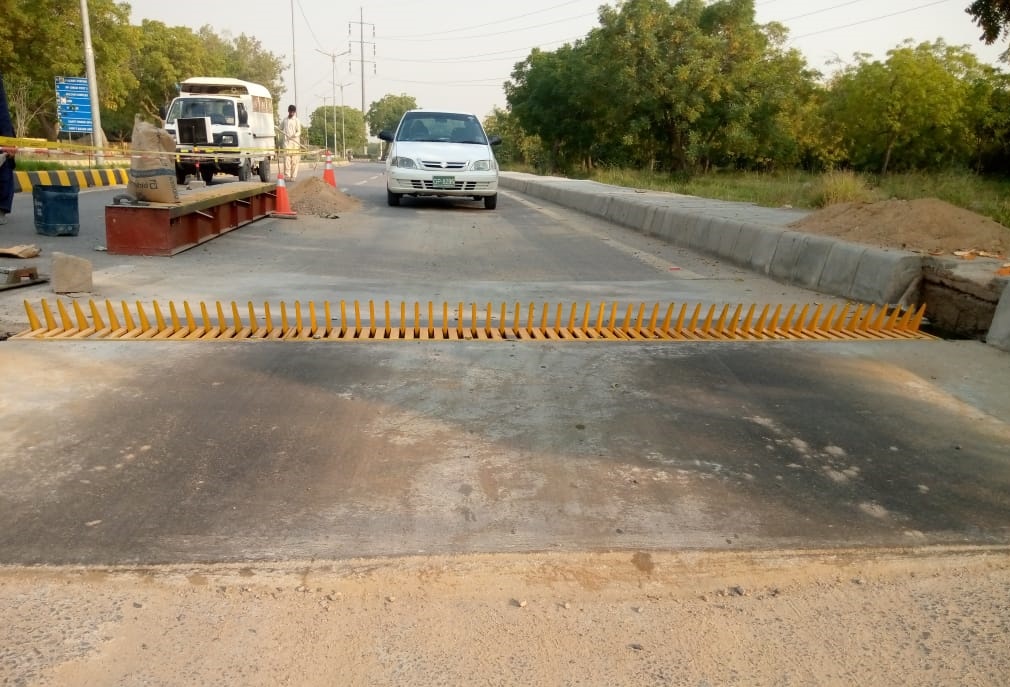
x=313 y=196
x=926 y=225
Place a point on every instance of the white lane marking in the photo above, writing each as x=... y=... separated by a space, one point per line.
x=365 y=181
x=650 y=260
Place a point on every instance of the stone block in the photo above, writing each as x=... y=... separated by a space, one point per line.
x=71 y=274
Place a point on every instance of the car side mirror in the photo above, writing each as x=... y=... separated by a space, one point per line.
x=494 y=140
x=243 y=116
x=162 y=112
x=386 y=135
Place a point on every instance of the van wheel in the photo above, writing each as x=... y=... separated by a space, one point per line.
x=180 y=177
x=208 y=175
x=243 y=170
x=265 y=170
x=491 y=202
x=393 y=199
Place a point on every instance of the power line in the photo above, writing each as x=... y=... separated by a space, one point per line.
x=469 y=58
x=867 y=21
x=479 y=83
x=821 y=11
x=308 y=23
x=491 y=23
x=497 y=33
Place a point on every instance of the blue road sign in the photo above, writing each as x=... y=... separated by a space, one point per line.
x=73 y=104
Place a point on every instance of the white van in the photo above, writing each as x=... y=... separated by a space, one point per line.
x=212 y=114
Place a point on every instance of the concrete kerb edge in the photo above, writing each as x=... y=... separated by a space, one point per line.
x=811 y=260
x=839 y=268
x=883 y=276
x=998 y=335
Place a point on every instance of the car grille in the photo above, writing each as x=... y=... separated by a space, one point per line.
x=438 y=164
x=426 y=185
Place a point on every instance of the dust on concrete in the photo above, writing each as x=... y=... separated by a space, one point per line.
x=925 y=225
x=313 y=196
x=927 y=616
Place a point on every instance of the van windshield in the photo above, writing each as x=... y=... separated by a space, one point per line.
x=220 y=111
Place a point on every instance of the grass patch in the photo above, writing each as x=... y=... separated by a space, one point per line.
x=29 y=164
x=844 y=186
x=989 y=197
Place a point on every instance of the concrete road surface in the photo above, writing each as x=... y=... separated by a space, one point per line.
x=243 y=485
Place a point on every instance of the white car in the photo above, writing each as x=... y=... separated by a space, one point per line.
x=441 y=154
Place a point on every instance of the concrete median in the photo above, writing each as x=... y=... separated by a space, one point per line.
x=759 y=239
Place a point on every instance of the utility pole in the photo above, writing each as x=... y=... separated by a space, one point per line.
x=294 y=68
x=333 y=58
x=343 y=139
x=97 y=137
x=326 y=136
x=361 y=45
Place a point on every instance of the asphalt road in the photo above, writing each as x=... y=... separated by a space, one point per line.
x=145 y=453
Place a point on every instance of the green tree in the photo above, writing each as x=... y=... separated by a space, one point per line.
x=50 y=32
x=992 y=16
x=385 y=113
x=165 y=56
x=328 y=124
x=908 y=112
x=517 y=146
x=550 y=96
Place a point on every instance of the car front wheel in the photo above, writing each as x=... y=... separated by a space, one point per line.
x=491 y=202
x=393 y=199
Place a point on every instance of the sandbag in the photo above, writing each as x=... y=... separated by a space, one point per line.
x=152 y=165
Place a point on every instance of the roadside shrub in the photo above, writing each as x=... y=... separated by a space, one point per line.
x=840 y=186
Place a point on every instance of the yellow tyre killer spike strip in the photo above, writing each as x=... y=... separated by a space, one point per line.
x=588 y=322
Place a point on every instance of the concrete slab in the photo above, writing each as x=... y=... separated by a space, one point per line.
x=675 y=225
x=810 y=262
x=883 y=275
x=999 y=330
x=730 y=235
x=696 y=234
x=786 y=253
x=840 y=268
x=763 y=251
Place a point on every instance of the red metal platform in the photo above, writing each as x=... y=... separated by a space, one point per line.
x=163 y=229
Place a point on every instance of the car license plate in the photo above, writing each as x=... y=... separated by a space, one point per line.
x=443 y=182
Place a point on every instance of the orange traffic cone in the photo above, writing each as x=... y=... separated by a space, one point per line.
x=283 y=209
x=328 y=175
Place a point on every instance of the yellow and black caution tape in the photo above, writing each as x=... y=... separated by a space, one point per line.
x=117 y=175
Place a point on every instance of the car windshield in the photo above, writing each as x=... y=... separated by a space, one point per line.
x=442 y=127
x=220 y=111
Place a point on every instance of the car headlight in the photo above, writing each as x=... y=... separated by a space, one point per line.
x=404 y=162
x=228 y=139
x=482 y=166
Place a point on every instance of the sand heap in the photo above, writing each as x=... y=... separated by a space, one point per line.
x=925 y=225
x=313 y=196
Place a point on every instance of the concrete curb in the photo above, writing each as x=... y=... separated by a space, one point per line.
x=754 y=238
x=999 y=330
x=78 y=178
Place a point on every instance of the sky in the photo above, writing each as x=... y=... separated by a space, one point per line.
x=457 y=55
